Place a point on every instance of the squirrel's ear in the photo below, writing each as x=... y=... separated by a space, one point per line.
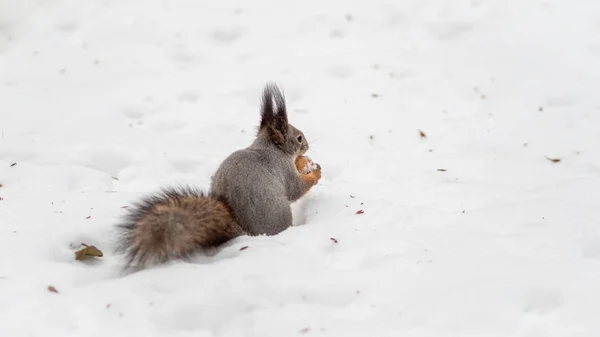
x=273 y=111
x=266 y=109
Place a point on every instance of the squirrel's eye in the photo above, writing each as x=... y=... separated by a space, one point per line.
x=299 y=139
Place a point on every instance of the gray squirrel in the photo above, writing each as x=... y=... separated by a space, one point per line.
x=251 y=194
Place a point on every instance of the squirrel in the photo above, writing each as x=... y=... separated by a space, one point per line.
x=250 y=194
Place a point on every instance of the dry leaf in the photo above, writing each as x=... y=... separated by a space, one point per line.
x=360 y=211
x=52 y=289
x=244 y=248
x=554 y=160
x=422 y=134
x=334 y=240
x=89 y=251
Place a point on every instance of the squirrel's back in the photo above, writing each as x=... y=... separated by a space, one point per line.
x=252 y=182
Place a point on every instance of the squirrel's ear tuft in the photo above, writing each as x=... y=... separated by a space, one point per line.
x=266 y=109
x=273 y=111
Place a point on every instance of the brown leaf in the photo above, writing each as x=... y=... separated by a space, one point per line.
x=80 y=254
x=244 y=248
x=334 y=240
x=360 y=211
x=88 y=251
x=554 y=160
x=52 y=289
x=422 y=134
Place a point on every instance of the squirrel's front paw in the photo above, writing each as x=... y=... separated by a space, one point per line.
x=316 y=173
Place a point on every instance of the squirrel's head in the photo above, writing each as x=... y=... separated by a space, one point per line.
x=275 y=126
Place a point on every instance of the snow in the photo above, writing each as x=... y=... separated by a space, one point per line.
x=468 y=231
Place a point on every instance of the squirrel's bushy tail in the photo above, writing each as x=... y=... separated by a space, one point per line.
x=174 y=224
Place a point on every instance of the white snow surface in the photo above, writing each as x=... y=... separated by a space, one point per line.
x=104 y=101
